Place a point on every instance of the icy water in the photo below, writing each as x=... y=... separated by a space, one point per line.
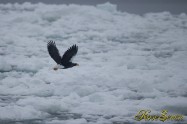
x=127 y=63
x=131 y=6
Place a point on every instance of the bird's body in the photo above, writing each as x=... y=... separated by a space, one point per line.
x=63 y=62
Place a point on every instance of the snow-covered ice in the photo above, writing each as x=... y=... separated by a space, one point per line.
x=127 y=63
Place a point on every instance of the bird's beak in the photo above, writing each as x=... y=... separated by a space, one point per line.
x=55 y=69
x=77 y=64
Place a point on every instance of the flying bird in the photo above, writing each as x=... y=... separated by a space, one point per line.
x=63 y=62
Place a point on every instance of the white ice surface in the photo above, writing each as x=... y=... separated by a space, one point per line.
x=127 y=63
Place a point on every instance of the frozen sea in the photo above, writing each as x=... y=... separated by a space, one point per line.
x=127 y=63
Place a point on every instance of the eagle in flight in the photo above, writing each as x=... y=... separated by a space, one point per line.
x=63 y=62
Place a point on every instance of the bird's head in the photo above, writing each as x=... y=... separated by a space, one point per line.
x=75 y=64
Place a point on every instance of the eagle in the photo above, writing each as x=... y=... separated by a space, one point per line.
x=63 y=62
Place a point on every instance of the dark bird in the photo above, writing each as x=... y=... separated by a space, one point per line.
x=63 y=62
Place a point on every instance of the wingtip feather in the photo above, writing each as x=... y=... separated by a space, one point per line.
x=51 y=43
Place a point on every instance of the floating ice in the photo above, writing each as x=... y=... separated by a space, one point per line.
x=127 y=63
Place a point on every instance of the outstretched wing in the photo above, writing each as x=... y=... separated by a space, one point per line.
x=53 y=52
x=68 y=55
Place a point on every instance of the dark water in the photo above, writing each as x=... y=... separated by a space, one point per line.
x=131 y=6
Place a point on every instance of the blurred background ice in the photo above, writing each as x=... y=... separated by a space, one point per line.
x=131 y=6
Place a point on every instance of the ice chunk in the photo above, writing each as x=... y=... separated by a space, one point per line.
x=4 y=66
